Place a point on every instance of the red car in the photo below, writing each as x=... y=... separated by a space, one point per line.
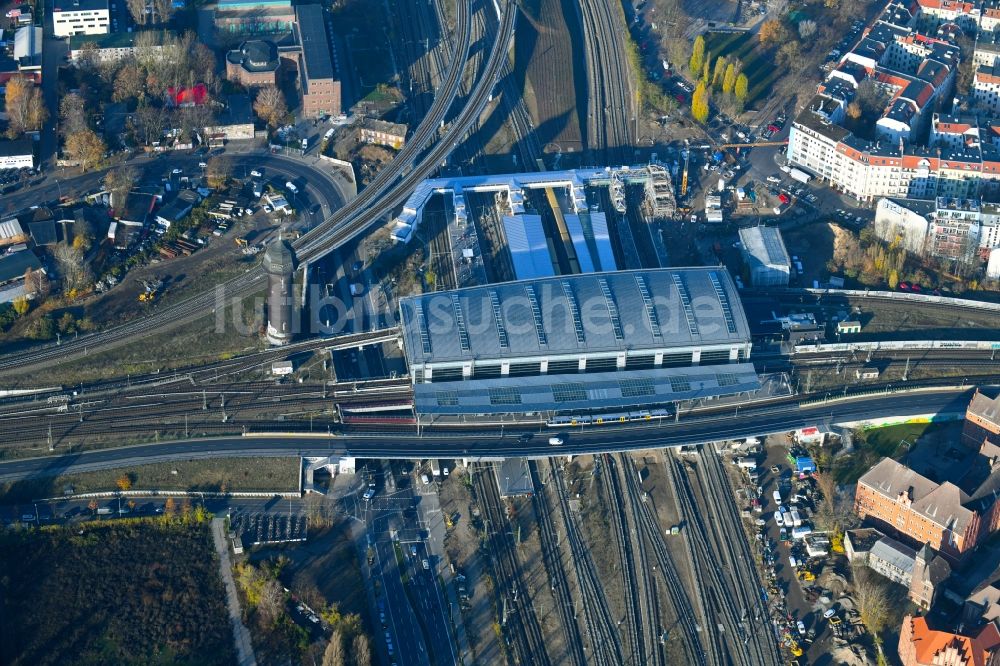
x=773 y=129
x=904 y=286
x=783 y=198
x=916 y=287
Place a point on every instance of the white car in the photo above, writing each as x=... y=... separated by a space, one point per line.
x=829 y=613
x=800 y=625
x=256 y=174
x=425 y=564
x=177 y=172
x=773 y=179
x=556 y=441
x=202 y=165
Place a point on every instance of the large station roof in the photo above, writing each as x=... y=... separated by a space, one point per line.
x=573 y=315
x=584 y=392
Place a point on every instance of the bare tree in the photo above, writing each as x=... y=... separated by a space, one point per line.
x=75 y=271
x=72 y=114
x=270 y=106
x=137 y=8
x=334 y=655
x=362 y=651
x=119 y=182
x=148 y=123
x=874 y=602
x=164 y=10
x=272 y=601
x=807 y=28
x=217 y=172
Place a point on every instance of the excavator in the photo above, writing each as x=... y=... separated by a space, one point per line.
x=151 y=289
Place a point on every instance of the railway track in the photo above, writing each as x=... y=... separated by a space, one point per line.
x=731 y=584
x=558 y=579
x=648 y=526
x=609 y=97
x=640 y=616
x=605 y=644
x=513 y=603
x=388 y=190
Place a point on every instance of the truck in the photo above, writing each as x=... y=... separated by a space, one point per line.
x=746 y=463
x=800 y=175
x=796 y=518
x=801 y=532
x=777 y=496
x=435 y=469
x=104 y=511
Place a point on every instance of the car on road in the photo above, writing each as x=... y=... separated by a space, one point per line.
x=425 y=564
x=177 y=172
x=829 y=613
x=256 y=174
x=800 y=625
x=525 y=437
x=775 y=469
x=202 y=165
x=413 y=551
x=556 y=440
x=773 y=179
x=290 y=186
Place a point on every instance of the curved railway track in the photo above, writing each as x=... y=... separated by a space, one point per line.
x=389 y=189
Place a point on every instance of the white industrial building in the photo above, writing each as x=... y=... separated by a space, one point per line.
x=993 y=264
x=904 y=220
x=529 y=249
x=17 y=154
x=578 y=344
x=765 y=254
x=81 y=17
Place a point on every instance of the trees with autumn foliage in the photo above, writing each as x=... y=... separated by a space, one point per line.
x=24 y=106
x=700 y=103
x=86 y=148
x=697 y=56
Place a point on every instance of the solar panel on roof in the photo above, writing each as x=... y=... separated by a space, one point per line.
x=569 y=392
x=647 y=301
x=635 y=387
x=727 y=311
x=574 y=309
x=498 y=319
x=536 y=313
x=425 y=338
x=609 y=300
x=686 y=302
x=726 y=379
x=463 y=333
x=505 y=395
x=680 y=384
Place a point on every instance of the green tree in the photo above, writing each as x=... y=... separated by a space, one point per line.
x=697 y=55
x=699 y=103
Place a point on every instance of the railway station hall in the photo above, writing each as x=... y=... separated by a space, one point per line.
x=591 y=347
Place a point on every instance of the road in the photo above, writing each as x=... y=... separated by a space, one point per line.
x=743 y=422
x=389 y=189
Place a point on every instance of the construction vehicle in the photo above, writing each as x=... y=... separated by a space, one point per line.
x=807 y=576
x=151 y=288
x=448 y=521
x=795 y=649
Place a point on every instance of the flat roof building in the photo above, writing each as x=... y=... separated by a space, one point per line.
x=320 y=88
x=765 y=254
x=17 y=154
x=578 y=343
x=81 y=17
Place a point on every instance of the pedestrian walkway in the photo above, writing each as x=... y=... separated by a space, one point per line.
x=241 y=635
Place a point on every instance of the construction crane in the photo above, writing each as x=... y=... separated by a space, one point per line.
x=754 y=145
x=686 y=154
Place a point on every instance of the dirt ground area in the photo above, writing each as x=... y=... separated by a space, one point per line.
x=535 y=576
x=548 y=63
x=595 y=523
x=814 y=245
x=462 y=549
x=325 y=565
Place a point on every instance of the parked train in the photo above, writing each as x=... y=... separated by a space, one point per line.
x=607 y=419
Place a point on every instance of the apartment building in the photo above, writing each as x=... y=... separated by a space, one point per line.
x=954 y=233
x=81 y=17
x=382 y=133
x=112 y=47
x=905 y=221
